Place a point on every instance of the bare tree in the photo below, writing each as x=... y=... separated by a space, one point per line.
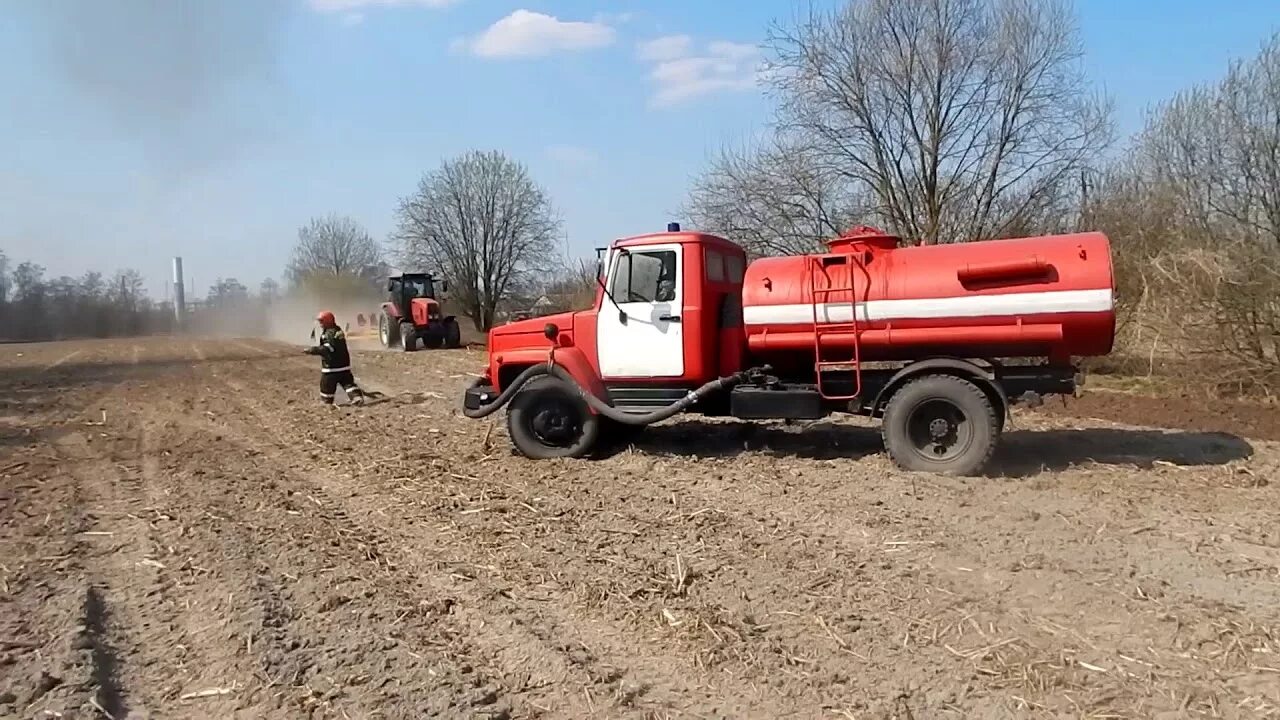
x=940 y=120
x=269 y=291
x=67 y=307
x=228 y=293
x=482 y=221
x=773 y=200
x=334 y=246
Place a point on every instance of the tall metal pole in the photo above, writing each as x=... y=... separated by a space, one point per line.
x=179 y=296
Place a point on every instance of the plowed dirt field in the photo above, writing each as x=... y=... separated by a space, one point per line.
x=186 y=533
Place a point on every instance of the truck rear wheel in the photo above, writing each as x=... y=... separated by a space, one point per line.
x=548 y=420
x=942 y=424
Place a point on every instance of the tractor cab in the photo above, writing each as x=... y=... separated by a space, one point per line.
x=404 y=288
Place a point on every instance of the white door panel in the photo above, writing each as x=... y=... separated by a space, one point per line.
x=648 y=285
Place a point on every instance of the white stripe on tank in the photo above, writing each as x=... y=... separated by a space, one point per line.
x=1032 y=303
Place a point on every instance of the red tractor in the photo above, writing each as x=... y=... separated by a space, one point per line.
x=938 y=341
x=412 y=313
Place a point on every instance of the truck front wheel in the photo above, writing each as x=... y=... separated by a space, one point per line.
x=942 y=424
x=548 y=420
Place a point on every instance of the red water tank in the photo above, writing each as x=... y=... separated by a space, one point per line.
x=1048 y=296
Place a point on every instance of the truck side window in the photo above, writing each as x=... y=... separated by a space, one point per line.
x=734 y=266
x=645 y=277
x=715 y=266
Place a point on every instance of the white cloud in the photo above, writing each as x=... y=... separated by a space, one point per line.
x=572 y=157
x=680 y=74
x=352 y=18
x=524 y=33
x=335 y=6
x=669 y=47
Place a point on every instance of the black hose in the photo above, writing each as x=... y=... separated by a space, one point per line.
x=596 y=403
x=505 y=396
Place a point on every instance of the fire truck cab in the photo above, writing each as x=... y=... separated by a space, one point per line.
x=667 y=318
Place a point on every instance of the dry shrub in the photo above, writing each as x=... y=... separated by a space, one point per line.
x=1193 y=211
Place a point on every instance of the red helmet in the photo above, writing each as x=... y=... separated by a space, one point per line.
x=326 y=318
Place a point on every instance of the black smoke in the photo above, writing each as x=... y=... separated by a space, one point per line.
x=189 y=82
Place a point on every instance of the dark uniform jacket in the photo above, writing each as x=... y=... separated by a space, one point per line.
x=334 y=356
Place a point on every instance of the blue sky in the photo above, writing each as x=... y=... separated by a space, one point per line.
x=132 y=133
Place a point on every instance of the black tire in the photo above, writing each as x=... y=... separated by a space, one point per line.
x=548 y=420
x=408 y=338
x=452 y=334
x=431 y=342
x=388 y=331
x=942 y=424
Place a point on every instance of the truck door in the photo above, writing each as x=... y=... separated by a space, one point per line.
x=648 y=284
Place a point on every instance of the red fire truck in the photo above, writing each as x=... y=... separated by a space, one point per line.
x=937 y=341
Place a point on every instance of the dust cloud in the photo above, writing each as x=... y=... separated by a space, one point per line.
x=292 y=319
x=289 y=319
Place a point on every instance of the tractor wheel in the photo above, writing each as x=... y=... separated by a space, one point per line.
x=431 y=342
x=408 y=338
x=546 y=419
x=388 y=331
x=452 y=334
x=942 y=424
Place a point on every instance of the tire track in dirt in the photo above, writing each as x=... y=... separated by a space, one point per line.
x=42 y=666
x=128 y=626
x=204 y=609
x=131 y=670
x=342 y=616
x=107 y=630
x=730 y=615
x=926 y=614
x=796 y=584
x=601 y=571
x=77 y=658
x=530 y=661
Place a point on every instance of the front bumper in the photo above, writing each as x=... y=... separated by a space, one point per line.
x=479 y=396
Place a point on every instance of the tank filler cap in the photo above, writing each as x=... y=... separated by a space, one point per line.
x=861 y=238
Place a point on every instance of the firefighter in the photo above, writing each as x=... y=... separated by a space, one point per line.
x=335 y=362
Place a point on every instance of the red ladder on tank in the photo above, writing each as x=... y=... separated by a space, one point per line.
x=832 y=328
